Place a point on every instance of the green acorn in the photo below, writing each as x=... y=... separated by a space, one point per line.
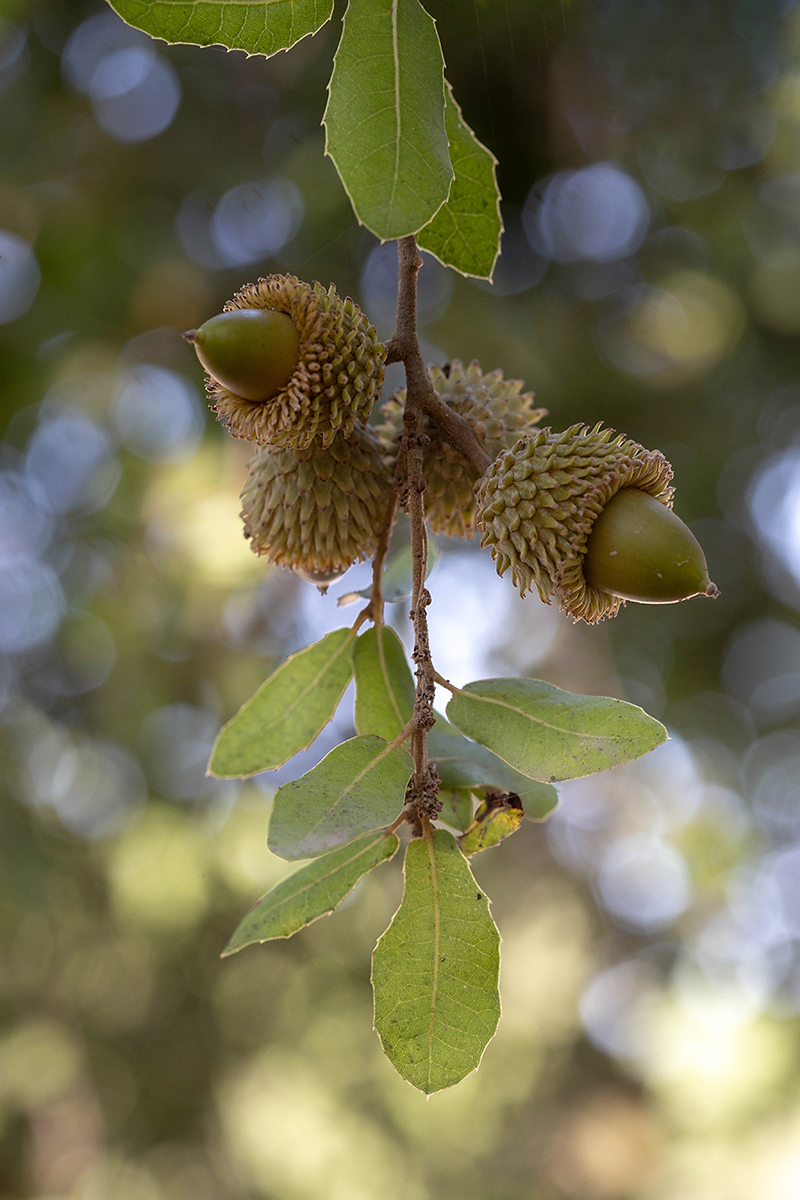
x=639 y=550
x=337 y=372
x=585 y=517
x=498 y=411
x=251 y=351
x=317 y=510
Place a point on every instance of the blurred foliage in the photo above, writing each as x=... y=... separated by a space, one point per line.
x=650 y=984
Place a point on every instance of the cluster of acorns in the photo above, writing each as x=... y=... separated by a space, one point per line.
x=583 y=516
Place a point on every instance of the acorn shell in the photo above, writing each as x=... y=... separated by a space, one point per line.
x=498 y=411
x=337 y=379
x=538 y=504
x=317 y=510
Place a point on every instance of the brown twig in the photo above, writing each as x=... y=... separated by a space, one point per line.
x=409 y=478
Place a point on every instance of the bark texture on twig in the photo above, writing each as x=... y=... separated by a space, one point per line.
x=422 y=795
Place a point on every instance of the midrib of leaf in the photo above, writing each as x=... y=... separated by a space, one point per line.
x=436 y=940
x=537 y=720
x=335 y=870
x=385 y=673
x=396 y=53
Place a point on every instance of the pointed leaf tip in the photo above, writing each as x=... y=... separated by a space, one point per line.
x=312 y=891
x=288 y=710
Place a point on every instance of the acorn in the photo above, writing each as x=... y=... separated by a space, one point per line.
x=585 y=517
x=640 y=550
x=317 y=510
x=250 y=351
x=337 y=365
x=498 y=411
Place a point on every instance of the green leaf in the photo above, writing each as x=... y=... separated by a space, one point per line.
x=550 y=734
x=435 y=969
x=257 y=26
x=311 y=892
x=384 y=121
x=359 y=786
x=465 y=233
x=384 y=684
x=457 y=808
x=464 y=764
x=288 y=710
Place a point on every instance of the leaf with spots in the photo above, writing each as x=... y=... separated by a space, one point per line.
x=359 y=786
x=546 y=733
x=435 y=970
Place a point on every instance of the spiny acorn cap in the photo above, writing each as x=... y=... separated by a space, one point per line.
x=320 y=509
x=498 y=411
x=338 y=377
x=538 y=503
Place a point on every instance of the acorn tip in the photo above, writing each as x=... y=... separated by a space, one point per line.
x=712 y=591
x=190 y=336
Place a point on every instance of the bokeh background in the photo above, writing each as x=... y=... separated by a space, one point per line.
x=650 y=1043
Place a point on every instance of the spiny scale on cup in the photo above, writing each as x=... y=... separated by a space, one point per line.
x=320 y=509
x=498 y=411
x=337 y=378
x=540 y=502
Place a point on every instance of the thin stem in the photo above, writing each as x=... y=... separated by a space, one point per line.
x=396 y=824
x=404 y=347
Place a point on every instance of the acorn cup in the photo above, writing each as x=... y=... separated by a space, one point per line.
x=498 y=411
x=317 y=510
x=303 y=368
x=585 y=517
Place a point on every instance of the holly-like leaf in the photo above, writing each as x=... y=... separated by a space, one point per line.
x=384 y=684
x=288 y=710
x=359 y=786
x=464 y=764
x=465 y=233
x=311 y=892
x=547 y=733
x=257 y=26
x=384 y=121
x=435 y=969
